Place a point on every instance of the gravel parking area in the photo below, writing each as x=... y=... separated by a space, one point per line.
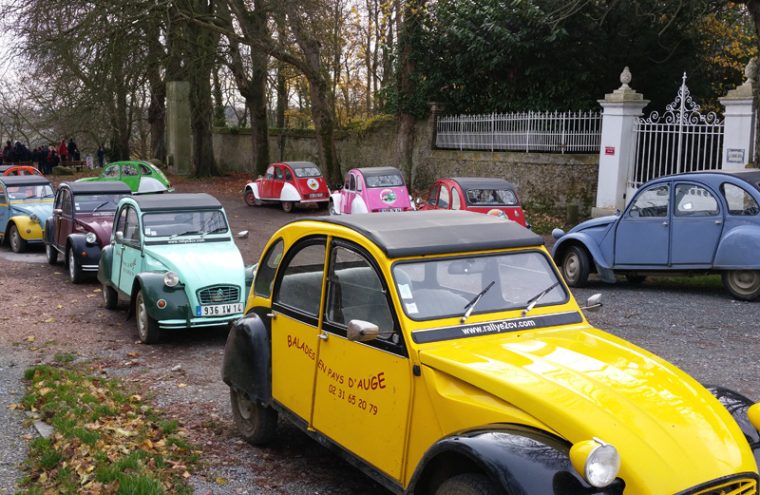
x=702 y=331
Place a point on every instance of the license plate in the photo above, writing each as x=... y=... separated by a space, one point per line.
x=315 y=195
x=391 y=209
x=218 y=309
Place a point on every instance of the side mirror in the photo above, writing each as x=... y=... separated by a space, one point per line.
x=243 y=234
x=417 y=202
x=119 y=236
x=58 y=211
x=362 y=331
x=593 y=303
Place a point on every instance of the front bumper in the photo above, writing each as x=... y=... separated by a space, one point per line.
x=198 y=322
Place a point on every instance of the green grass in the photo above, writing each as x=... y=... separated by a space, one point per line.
x=111 y=442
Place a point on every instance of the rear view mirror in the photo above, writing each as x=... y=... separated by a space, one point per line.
x=119 y=236
x=593 y=302
x=243 y=234
x=362 y=331
x=461 y=267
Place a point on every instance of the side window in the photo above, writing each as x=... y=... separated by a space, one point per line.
x=265 y=272
x=288 y=175
x=129 y=170
x=270 y=172
x=66 y=202
x=112 y=171
x=739 y=201
x=433 y=197
x=348 y=182
x=359 y=182
x=144 y=170
x=301 y=285
x=121 y=222
x=355 y=292
x=651 y=203
x=2 y=196
x=132 y=228
x=443 y=198
x=278 y=173
x=695 y=201
x=352 y=183
x=58 y=199
x=455 y=200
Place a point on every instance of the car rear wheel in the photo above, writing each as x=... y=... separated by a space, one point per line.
x=256 y=423
x=287 y=206
x=18 y=244
x=110 y=297
x=742 y=284
x=575 y=266
x=51 y=254
x=147 y=327
x=75 y=271
x=468 y=484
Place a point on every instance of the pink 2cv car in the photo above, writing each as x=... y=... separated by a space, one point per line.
x=371 y=190
x=290 y=184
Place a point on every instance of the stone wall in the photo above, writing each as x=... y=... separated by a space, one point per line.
x=546 y=181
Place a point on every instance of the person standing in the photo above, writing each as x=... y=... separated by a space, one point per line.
x=73 y=150
x=101 y=156
x=63 y=151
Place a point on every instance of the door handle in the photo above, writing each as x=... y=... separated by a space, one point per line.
x=718 y=222
x=272 y=315
x=665 y=224
x=324 y=335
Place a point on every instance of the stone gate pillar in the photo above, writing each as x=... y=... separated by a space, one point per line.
x=621 y=108
x=738 y=126
x=179 y=137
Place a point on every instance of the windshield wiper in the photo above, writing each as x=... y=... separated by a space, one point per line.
x=535 y=299
x=101 y=205
x=474 y=302
x=187 y=232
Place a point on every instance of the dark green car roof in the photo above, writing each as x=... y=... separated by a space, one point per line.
x=419 y=233
x=176 y=201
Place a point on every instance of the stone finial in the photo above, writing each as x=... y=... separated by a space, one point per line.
x=750 y=70
x=625 y=78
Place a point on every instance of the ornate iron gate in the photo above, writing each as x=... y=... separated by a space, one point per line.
x=679 y=140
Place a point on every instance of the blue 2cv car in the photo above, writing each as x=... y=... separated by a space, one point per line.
x=697 y=222
x=173 y=258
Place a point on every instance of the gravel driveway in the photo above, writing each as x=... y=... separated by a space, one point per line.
x=703 y=331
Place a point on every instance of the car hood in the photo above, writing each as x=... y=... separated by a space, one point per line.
x=201 y=264
x=586 y=383
x=594 y=222
x=42 y=208
x=98 y=223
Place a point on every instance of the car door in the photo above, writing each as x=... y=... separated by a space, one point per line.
x=64 y=219
x=130 y=176
x=696 y=225
x=277 y=182
x=4 y=209
x=444 y=198
x=117 y=242
x=642 y=235
x=296 y=303
x=348 y=192
x=266 y=184
x=363 y=389
x=131 y=251
x=432 y=201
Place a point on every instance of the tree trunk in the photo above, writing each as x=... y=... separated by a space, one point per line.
x=157 y=106
x=282 y=106
x=754 y=9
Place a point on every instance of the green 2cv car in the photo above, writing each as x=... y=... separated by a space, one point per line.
x=173 y=258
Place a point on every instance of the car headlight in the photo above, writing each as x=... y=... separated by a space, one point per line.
x=753 y=414
x=598 y=462
x=90 y=238
x=171 y=279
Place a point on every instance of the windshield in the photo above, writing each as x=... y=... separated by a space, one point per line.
x=489 y=197
x=39 y=191
x=389 y=180
x=307 y=172
x=441 y=288
x=96 y=202
x=184 y=223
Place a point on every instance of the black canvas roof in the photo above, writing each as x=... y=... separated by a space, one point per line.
x=23 y=180
x=300 y=164
x=437 y=232
x=176 y=201
x=375 y=171
x=97 y=187
x=482 y=183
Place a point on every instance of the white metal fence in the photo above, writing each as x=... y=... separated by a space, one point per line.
x=679 y=140
x=553 y=132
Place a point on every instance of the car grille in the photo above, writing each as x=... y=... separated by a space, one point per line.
x=217 y=294
x=736 y=486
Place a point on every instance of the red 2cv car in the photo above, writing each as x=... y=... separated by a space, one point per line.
x=477 y=194
x=290 y=184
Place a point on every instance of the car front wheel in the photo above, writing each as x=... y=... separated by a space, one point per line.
x=51 y=254
x=110 y=297
x=575 y=266
x=742 y=284
x=75 y=271
x=18 y=244
x=256 y=423
x=468 y=484
x=147 y=327
x=250 y=198
x=287 y=206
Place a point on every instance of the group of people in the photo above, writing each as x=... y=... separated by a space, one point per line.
x=45 y=157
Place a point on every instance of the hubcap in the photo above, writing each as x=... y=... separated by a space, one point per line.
x=14 y=239
x=249 y=198
x=571 y=267
x=244 y=407
x=72 y=267
x=105 y=294
x=142 y=318
x=745 y=280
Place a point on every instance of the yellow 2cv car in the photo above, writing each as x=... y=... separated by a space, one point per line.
x=441 y=353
